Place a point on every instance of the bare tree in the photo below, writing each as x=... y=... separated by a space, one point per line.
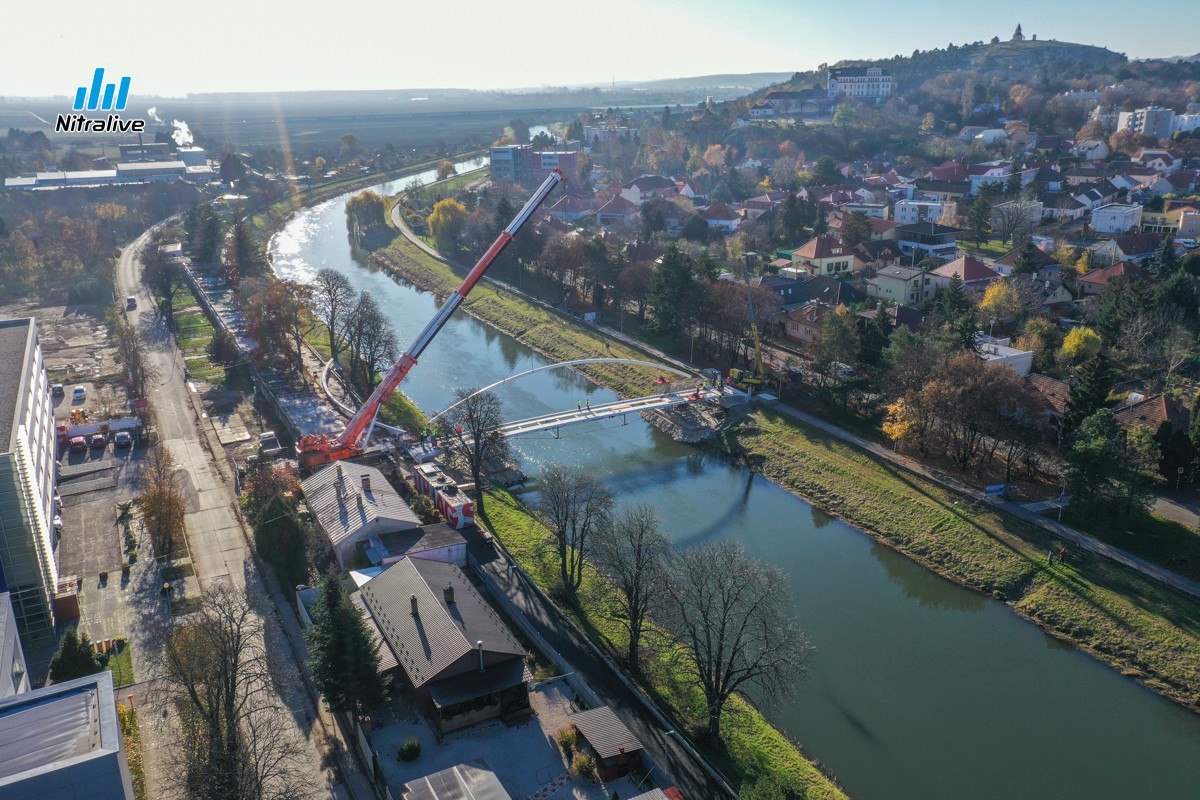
x=631 y=551
x=333 y=296
x=161 y=275
x=1016 y=216
x=133 y=352
x=1176 y=347
x=372 y=341
x=215 y=670
x=575 y=504
x=162 y=502
x=473 y=427
x=731 y=613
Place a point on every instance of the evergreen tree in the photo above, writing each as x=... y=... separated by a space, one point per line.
x=793 y=218
x=343 y=657
x=1164 y=263
x=670 y=286
x=1028 y=259
x=1178 y=292
x=74 y=658
x=1121 y=300
x=820 y=225
x=3 y=229
x=279 y=538
x=1012 y=187
x=979 y=219
x=1090 y=391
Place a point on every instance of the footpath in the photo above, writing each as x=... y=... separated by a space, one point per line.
x=1076 y=538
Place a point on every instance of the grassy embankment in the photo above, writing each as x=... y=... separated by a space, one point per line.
x=750 y=746
x=131 y=738
x=1163 y=541
x=1129 y=621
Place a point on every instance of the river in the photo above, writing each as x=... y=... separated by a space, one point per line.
x=918 y=688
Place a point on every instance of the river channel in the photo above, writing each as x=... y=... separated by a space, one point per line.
x=918 y=688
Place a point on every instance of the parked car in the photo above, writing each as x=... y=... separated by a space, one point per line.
x=79 y=393
x=79 y=444
x=122 y=439
x=99 y=440
x=57 y=390
x=130 y=303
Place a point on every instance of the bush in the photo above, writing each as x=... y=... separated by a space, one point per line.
x=566 y=738
x=425 y=510
x=583 y=765
x=410 y=750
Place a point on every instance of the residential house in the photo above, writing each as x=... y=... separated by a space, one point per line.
x=873 y=210
x=1134 y=247
x=1046 y=268
x=762 y=110
x=1055 y=393
x=1091 y=150
x=1116 y=218
x=1061 y=207
x=641 y=188
x=788 y=289
x=600 y=732
x=755 y=207
x=456 y=653
x=720 y=216
x=825 y=255
x=999 y=351
x=876 y=254
x=692 y=189
x=437 y=542
x=1047 y=179
x=1094 y=281
x=1160 y=413
x=1085 y=172
x=572 y=208
x=352 y=503
x=1045 y=296
x=826 y=289
x=925 y=239
x=975 y=275
x=1161 y=161
x=902 y=285
x=949 y=171
x=803 y=325
x=907 y=316
x=990 y=172
x=473 y=781
x=910 y=212
x=617 y=211
x=1095 y=194
x=807 y=102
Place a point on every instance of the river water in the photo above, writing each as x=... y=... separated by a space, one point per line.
x=918 y=688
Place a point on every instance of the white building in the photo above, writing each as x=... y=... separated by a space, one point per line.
x=1152 y=120
x=353 y=503
x=860 y=82
x=1116 y=218
x=910 y=212
x=998 y=351
x=27 y=480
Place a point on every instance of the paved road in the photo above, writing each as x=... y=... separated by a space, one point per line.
x=660 y=742
x=219 y=549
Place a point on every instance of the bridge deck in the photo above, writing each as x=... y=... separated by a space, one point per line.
x=605 y=411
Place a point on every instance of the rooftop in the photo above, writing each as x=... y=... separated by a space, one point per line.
x=342 y=506
x=607 y=735
x=14 y=343
x=472 y=781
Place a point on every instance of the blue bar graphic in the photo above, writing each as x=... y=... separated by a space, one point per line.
x=80 y=96
x=94 y=95
x=123 y=94
x=108 y=94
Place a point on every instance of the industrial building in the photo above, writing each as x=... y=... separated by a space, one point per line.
x=64 y=741
x=520 y=163
x=148 y=163
x=27 y=482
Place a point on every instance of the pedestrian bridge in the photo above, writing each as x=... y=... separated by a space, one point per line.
x=619 y=409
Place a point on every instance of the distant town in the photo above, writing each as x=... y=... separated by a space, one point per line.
x=946 y=303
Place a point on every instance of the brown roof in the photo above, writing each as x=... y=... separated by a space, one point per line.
x=821 y=247
x=1136 y=243
x=1101 y=277
x=969 y=268
x=1153 y=412
x=1009 y=259
x=719 y=211
x=1054 y=390
x=882 y=225
x=607 y=735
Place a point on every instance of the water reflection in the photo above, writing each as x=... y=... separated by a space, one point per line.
x=922 y=585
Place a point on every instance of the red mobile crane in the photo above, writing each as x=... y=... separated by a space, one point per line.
x=320 y=448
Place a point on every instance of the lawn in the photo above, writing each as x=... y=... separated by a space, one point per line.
x=750 y=746
x=131 y=738
x=1163 y=541
x=992 y=247
x=121 y=666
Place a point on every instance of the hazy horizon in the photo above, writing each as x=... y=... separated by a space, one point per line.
x=229 y=47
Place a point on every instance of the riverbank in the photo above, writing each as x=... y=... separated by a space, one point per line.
x=1130 y=622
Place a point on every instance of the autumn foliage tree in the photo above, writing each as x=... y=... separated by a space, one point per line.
x=161 y=500
x=446 y=222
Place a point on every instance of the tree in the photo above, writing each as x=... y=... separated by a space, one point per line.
x=445 y=169
x=279 y=537
x=349 y=144
x=1028 y=259
x=133 y=352
x=243 y=256
x=342 y=655
x=1177 y=295
x=979 y=219
x=731 y=612
x=1102 y=469
x=74 y=658
x=1044 y=338
x=669 y=288
x=1164 y=263
x=1000 y=302
x=856 y=229
x=631 y=551
x=205 y=232
x=446 y=222
x=474 y=426
x=839 y=344
x=1090 y=391
x=575 y=505
x=332 y=297
x=161 y=500
x=366 y=211
x=232 y=168
x=826 y=173
x=214 y=671
x=1081 y=344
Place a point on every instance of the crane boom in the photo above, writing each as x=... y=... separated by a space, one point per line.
x=318 y=449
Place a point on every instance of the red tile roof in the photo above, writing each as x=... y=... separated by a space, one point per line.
x=1153 y=412
x=821 y=247
x=969 y=268
x=719 y=211
x=1054 y=390
x=1101 y=277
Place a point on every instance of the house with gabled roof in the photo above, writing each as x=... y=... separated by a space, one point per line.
x=617 y=210
x=455 y=652
x=1094 y=281
x=721 y=216
x=353 y=502
x=974 y=274
x=1135 y=247
x=825 y=255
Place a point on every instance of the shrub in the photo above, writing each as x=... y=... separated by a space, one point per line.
x=410 y=750
x=425 y=510
x=566 y=739
x=583 y=765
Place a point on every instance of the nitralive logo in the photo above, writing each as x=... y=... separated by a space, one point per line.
x=114 y=97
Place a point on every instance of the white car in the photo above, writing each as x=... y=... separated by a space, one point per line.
x=79 y=393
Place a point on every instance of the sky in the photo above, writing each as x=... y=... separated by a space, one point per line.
x=173 y=49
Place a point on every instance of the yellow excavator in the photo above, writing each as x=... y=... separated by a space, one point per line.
x=744 y=379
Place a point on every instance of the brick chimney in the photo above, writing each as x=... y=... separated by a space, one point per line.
x=413 y=600
x=449 y=594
